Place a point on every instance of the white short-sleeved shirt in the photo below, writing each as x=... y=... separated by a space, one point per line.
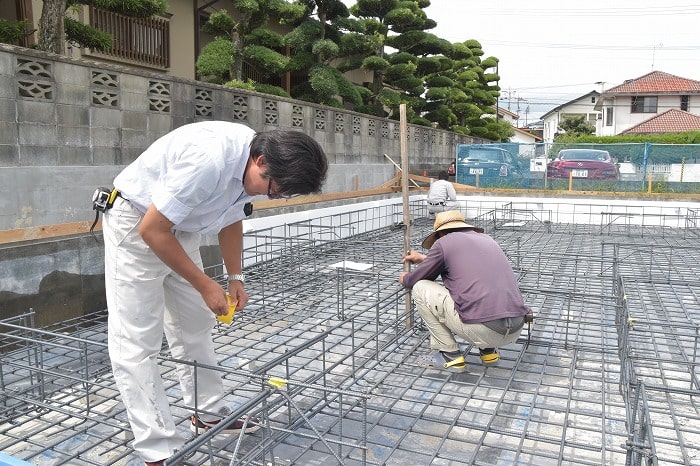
x=193 y=176
x=441 y=191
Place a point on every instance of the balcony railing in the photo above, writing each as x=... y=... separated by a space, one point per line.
x=143 y=41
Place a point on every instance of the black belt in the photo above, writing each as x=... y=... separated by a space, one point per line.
x=506 y=325
x=436 y=203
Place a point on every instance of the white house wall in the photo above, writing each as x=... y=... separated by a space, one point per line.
x=624 y=119
x=580 y=107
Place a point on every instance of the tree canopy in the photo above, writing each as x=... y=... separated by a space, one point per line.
x=576 y=126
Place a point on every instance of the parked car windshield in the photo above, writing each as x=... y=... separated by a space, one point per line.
x=485 y=155
x=583 y=154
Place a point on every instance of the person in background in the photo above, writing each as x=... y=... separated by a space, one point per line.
x=441 y=195
x=193 y=181
x=451 y=170
x=480 y=300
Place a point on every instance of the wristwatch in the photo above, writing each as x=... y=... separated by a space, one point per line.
x=237 y=276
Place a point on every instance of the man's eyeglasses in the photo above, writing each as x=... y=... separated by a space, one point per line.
x=271 y=195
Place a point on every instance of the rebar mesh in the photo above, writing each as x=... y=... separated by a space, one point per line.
x=325 y=353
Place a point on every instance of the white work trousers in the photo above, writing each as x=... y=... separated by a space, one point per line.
x=144 y=298
x=447 y=205
x=436 y=307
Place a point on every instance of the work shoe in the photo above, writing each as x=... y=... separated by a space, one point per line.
x=489 y=356
x=235 y=427
x=437 y=360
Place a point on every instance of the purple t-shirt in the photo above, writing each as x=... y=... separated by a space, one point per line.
x=476 y=272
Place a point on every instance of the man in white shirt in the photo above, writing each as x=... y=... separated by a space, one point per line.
x=442 y=195
x=195 y=180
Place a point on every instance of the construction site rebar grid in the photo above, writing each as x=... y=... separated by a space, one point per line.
x=325 y=352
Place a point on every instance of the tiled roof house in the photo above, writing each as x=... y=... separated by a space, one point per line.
x=657 y=102
x=581 y=106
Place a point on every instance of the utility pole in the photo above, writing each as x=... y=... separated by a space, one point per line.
x=653 y=54
x=509 y=93
x=527 y=110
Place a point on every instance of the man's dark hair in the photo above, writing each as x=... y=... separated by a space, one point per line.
x=443 y=175
x=295 y=161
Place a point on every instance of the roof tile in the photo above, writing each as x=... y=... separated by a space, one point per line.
x=656 y=82
x=670 y=121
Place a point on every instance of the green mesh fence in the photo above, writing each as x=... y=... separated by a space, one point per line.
x=662 y=167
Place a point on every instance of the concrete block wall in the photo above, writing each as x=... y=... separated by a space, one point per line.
x=61 y=116
x=68 y=126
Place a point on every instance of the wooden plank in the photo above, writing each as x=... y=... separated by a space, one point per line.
x=458 y=187
x=65 y=229
x=74 y=228
x=275 y=203
x=47 y=231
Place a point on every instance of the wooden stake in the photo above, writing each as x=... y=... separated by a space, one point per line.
x=406 y=213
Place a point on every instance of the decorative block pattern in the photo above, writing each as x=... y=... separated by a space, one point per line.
x=339 y=122
x=320 y=119
x=385 y=130
x=271 y=112
x=297 y=116
x=371 y=127
x=34 y=79
x=355 y=125
x=104 y=89
x=203 y=103
x=159 y=96
x=240 y=108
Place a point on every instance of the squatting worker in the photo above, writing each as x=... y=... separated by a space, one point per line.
x=194 y=180
x=441 y=195
x=480 y=301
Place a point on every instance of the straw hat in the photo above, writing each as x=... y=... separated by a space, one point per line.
x=448 y=220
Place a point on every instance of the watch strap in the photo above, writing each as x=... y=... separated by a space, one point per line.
x=237 y=276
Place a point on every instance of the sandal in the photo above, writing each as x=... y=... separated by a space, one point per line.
x=436 y=360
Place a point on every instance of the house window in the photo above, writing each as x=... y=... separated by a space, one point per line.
x=592 y=99
x=684 y=103
x=608 y=116
x=145 y=41
x=644 y=104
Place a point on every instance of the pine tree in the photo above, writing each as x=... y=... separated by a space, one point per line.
x=463 y=91
x=316 y=41
x=246 y=39
x=399 y=52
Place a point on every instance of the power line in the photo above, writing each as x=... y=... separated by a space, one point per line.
x=677 y=10
x=590 y=46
